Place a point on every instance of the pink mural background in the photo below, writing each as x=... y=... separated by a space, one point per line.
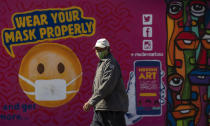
x=120 y=21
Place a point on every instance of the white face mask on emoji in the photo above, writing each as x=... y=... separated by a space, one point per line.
x=50 y=90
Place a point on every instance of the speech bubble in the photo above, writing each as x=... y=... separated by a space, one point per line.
x=49 y=24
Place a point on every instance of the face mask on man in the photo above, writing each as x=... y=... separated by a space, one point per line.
x=101 y=54
x=50 y=90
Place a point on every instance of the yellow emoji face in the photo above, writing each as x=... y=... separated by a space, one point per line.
x=50 y=74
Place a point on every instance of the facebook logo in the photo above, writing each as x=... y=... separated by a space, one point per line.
x=147 y=31
x=147 y=19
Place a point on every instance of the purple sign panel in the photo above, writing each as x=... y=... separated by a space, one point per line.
x=148 y=87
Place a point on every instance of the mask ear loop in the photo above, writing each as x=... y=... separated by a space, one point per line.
x=29 y=82
x=73 y=91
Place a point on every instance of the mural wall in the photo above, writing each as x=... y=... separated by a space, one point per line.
x=188 y=91
x=47 y=60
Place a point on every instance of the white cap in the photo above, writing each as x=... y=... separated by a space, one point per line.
x=102 y=43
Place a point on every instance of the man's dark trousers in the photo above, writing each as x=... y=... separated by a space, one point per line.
x=108 y=118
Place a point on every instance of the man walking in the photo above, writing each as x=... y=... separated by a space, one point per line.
x=109 y=98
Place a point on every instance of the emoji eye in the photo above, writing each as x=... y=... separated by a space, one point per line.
x=61 y=68
x=40 y=68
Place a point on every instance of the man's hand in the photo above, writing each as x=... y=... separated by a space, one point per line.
x=87 y=107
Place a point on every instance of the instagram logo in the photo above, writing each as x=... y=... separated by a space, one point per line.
x=147 y=45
